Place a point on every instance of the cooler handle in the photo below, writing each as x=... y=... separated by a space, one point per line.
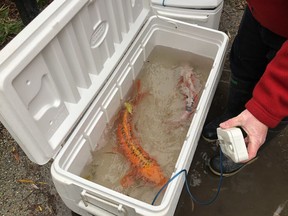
x=99 y=206
x=201 y=18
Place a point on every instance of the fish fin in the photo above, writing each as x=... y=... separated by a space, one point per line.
x=138 y=85
x=139 y=93
x=115 y=149
x=128 y=179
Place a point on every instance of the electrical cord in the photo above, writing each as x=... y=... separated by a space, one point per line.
x=207 y=202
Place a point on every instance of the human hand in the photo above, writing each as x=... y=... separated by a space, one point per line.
x=256 y=131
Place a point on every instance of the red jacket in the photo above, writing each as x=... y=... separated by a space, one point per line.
x=269 y=103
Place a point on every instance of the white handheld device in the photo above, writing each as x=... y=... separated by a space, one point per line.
x=232 y=144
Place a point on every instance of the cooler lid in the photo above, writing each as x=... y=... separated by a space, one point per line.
x=51 y=71
x=193 y=4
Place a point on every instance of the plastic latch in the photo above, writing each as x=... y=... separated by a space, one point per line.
x=232 y=144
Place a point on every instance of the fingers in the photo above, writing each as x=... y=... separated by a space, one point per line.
x=233 y=122
x=252 y=149
x=254 y=143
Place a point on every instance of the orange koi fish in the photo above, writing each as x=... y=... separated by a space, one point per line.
x=143 y=166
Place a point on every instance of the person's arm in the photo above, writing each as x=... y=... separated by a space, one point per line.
x=268 y=106
x=269 y=103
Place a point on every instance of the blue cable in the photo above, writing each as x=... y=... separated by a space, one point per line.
x=187 y=186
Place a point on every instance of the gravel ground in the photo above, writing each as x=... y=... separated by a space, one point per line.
x=26 y=188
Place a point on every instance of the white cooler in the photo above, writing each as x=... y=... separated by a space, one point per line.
x=65 y=75
x=201 y=12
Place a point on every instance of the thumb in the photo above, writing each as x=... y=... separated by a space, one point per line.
x=252 y=151
x=233 y=122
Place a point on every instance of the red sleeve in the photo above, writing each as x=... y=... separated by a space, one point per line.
x=269 y=103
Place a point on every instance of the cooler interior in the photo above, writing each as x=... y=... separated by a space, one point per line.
x=80 y=148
